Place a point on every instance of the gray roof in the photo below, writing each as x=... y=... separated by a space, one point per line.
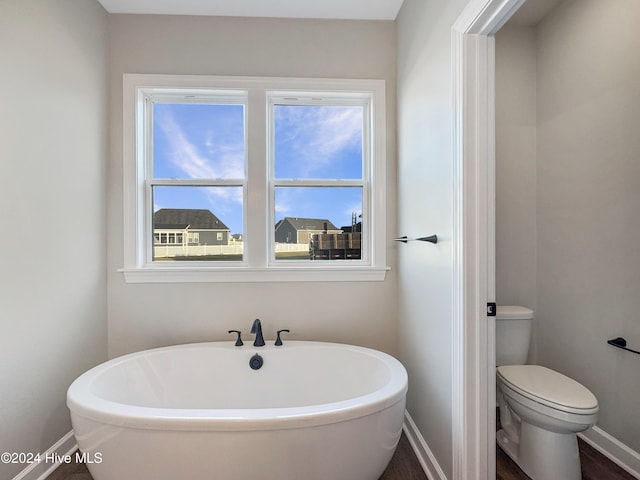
x=181 y=218
x=308 y=223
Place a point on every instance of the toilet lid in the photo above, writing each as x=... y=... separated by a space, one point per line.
x=549 y=387
x=513 y=312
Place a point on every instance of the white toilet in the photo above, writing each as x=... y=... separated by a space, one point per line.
x=541 y=410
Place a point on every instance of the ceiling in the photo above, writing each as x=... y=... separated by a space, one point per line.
x=334 y=9
x=532 y=12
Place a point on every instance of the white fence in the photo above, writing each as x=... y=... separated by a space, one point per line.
x=171 y=251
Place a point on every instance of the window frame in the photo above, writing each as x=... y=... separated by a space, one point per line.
x=159 y=95
x=258 y=262
x=275 y=98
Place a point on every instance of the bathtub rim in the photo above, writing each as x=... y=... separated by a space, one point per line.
x=83 y=403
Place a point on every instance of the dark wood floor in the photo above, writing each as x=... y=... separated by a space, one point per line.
x=405 y=466
x=595 y=466
x=71 y=471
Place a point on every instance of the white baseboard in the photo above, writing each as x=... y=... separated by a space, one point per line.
x=612 y=448
x=425 y=456
x=49 y=460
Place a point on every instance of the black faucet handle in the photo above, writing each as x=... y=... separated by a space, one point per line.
x=278 y=339
x=239 y=339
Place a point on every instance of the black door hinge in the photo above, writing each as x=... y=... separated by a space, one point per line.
x=491 y=309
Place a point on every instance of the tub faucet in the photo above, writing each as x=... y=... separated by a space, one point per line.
x=257 y=329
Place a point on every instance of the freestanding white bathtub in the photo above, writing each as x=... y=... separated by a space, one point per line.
x=312 y=411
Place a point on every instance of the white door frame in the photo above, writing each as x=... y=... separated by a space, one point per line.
x=473 y=62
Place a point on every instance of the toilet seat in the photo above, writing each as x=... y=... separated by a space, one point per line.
x=550 y=388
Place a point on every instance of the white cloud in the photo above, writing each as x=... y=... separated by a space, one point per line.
x=214 y=160
x=222 y=160
x=319 y=136
x=284 y=202
x=355 y=207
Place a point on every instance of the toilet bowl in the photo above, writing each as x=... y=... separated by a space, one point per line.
x=541 y=411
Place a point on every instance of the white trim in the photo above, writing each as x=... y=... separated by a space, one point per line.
x=426 y=458
x=366 y=183
x=239 y=275
x=486 y=17
x=612 y=448
x=256 y=265
x=473 y=63
x=459 y=269
x=490 y=355
x=47 y=464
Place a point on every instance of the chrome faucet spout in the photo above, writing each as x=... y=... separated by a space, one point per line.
x=257 y=329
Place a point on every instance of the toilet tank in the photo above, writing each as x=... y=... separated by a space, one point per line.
x=513 y=334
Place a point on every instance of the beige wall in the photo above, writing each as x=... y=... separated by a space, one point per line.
x=53 y=165
x=587 y=178
x=516 y=194
x=425 y=207
x=516 y=166
x=149 y=315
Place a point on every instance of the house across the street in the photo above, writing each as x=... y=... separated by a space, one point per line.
x=186 y=226
x=300 y=230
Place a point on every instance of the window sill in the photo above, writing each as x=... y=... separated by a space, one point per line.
x=250 y=275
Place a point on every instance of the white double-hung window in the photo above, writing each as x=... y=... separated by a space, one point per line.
x=253 y=179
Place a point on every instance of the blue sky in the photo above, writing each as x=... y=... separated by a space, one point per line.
x=207 y=141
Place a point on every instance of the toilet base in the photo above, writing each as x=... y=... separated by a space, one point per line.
x=543 y=455
x=508 y=446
